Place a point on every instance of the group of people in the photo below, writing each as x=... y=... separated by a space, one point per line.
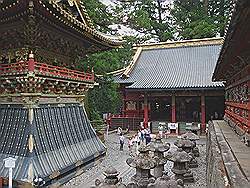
x=142 y=137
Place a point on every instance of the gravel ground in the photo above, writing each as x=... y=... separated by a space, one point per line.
x=118 y=158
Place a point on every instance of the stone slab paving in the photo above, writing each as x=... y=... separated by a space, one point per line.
x=238 y=148
x=118 y=158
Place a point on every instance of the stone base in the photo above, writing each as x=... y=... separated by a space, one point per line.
x=196 y=152
x=186 y=178
x=158 y=171
x=193 y=163
x=142 y=182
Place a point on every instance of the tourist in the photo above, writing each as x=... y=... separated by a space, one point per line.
x=138 y=137
x=147 y=136
x=130 y=143
x=160 y=129
x=121 y=138
x=142 y=135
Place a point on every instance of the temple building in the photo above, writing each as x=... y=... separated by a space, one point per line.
x=171 y=82
x=233 y=67
x=43 y=123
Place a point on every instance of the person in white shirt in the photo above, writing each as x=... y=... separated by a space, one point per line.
x=121 y=139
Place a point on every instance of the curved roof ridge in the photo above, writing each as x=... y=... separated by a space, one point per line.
x=85 y=22
x=130 y=67
x=182 y=43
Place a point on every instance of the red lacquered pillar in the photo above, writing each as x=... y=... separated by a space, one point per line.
x=203 y=114
x=145 y=111
x=173 y=109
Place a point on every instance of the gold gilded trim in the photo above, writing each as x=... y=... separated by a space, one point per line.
x=31 y=143
x=54 y=174
x=79 y=163
x=184 y=43
x=132 y=64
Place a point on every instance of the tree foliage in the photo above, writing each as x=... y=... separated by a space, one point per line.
x=108 y=61
x=199 y=19
x=103 y=98
x=149 y=17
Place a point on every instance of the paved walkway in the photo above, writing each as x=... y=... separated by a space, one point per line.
x=238 y=148
x=118 y=158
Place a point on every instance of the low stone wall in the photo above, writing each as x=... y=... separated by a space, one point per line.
x=223 y=169
x=216 y=172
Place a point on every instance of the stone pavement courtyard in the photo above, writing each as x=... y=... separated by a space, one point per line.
x=117 y=159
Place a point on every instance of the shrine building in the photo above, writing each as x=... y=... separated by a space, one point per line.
x=43 y=123
x=171 y=82
x=233 y=67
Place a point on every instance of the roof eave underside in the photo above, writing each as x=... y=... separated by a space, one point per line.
x=51 y=9
x=238 y=13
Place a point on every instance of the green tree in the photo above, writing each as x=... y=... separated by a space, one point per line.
x=108 y=61
x=149 y=17
x=100 y=14
x=219 y=11
x=191 y=20
x=103 y=98
x=200 y=18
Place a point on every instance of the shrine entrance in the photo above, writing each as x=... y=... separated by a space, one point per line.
x=161 y=109
x=214 y=107
x=188 y=109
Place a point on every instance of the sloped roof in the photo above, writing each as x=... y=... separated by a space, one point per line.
x=174 y=65
x=61 y=144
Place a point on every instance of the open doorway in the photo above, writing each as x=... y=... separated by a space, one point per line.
x=214 y=107
x=188 y=109
x=161 y=109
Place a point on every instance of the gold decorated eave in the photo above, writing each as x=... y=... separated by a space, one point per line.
x=11 y=10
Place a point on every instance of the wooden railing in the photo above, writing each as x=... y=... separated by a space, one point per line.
x=45 y=69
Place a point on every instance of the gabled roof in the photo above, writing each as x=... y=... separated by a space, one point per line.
x=173 y=65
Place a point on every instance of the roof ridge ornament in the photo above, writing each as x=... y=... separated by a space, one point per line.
x=80 y=9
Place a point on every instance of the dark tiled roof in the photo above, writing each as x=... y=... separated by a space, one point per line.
x=174 y=68
x=63 y=137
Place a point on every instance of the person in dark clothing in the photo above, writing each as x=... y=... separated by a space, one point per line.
x=121 y=138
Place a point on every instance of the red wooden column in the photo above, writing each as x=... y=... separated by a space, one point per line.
x=203 y=114
x=145 y=111
x=173 y=108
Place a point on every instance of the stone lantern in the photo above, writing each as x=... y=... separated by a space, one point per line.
x=166 y=182
x=181 y=168
x=143 y=162
x=192 y=137
x=110 y=181
x=193 y=128
x=187 y=146
x=158 y=147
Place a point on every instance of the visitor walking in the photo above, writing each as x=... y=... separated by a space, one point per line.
x=147 y=136
x=121 y=138
x=130 y=144
x=142 y=135
x=160 y=129
x=139 y=137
